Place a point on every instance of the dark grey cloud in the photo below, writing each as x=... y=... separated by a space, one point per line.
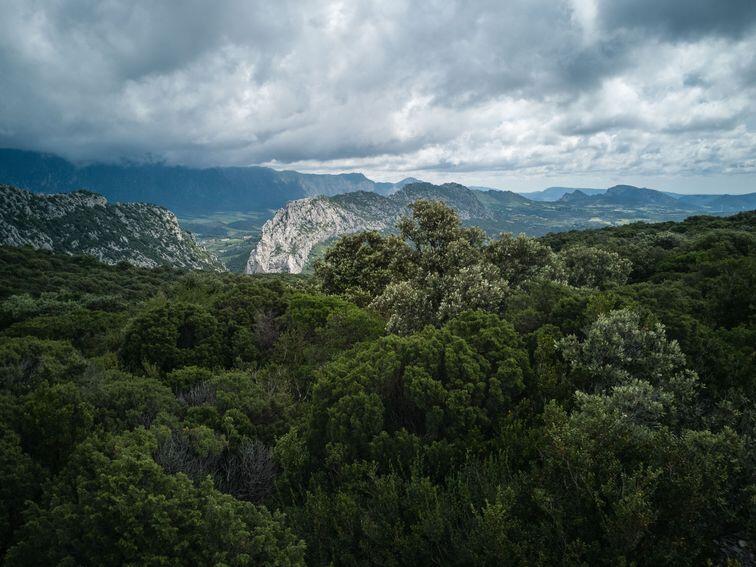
x=538 y=87
x=681 y=19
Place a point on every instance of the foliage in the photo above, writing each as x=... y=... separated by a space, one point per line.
x=429 y=397
x=587 y=266
x=360 y=266
x=436 y=268
x=520 y=259
x=100 y=504
x=27 y=363
x=172 y=335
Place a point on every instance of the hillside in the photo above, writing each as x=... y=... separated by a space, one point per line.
x=85 y=223
x=288 y=239
x=164 y=416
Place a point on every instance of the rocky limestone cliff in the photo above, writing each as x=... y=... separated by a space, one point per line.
x=85 y=223
x=290 y=236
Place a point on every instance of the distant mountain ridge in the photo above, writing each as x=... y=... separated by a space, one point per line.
x=85 y=223
x=198 y=191
x=289 y=238
x=184 y=190
x=622 y=195
x=712 y=203
x=556 y=193
x=629 y=195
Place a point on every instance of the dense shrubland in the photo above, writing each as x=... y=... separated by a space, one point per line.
x=429 y=397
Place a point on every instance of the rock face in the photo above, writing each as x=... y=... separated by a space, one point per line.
x=290 y=236
x=85 y=223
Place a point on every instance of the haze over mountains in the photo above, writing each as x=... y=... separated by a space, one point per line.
x=184 y=190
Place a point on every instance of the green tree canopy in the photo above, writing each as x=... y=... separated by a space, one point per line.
x=116 y=506
x=172 y=335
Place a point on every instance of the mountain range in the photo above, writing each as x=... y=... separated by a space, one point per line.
x=556 y=193
x=184 y=190
x=189 y=191
x=287 y=217
x=82 y=222
x=296 y=232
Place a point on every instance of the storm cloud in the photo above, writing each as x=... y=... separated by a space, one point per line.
x=484 y=90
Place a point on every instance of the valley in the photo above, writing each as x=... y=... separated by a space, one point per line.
x=228 y=235
x=261 y=220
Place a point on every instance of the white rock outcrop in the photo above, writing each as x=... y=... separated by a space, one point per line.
x=288 y=238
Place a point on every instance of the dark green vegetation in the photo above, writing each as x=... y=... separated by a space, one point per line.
x=433 y=397
x=229 y=236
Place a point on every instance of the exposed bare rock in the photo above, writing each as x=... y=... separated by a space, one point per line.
x=85 y=223
x=288 y=239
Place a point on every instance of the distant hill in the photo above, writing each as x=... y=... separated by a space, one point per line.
x=640 y=197
x=624 y=195
x=556 y=193
x=575 y=197
x=184 y=190
x=85 y=223
x=721 y=203
x=299 y=229
x=629 y=195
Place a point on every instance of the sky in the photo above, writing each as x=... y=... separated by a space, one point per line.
x=515 y=94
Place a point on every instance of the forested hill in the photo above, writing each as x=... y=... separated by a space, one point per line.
x=429 y=397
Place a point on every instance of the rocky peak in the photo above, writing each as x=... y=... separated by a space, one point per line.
x=288 y=239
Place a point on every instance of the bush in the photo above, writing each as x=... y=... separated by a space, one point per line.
x=172 y=335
